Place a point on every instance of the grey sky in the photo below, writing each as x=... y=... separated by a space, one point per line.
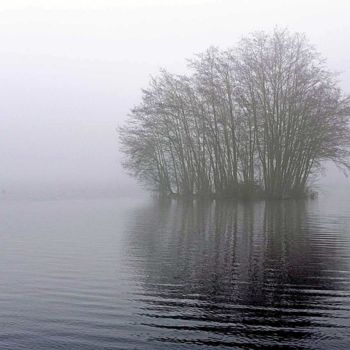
x=71 y=70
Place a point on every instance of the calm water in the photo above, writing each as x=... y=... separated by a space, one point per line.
x=150 y=274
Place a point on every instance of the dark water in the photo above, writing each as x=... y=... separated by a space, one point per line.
x=149 y=274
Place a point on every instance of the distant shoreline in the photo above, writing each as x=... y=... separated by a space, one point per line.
x=239 y=197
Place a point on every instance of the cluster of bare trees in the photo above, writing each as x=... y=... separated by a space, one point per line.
x=258 y=118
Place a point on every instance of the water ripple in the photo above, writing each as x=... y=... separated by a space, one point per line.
x=155 y=274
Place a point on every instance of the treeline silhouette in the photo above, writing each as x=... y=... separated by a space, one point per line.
x=257 y=119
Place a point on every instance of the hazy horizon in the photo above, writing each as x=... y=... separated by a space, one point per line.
x=72 y=70
x=238 y=253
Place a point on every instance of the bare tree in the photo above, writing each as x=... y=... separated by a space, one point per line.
x=259 y=118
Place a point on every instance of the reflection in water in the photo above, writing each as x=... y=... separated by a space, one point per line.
x=109 y=274
x=254 y=275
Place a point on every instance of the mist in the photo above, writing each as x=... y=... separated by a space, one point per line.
x=233 y=248
x=71 y=71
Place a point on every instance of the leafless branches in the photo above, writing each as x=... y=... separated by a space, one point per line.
x=259 y=118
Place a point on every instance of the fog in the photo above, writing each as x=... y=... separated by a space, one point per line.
x=71 y=71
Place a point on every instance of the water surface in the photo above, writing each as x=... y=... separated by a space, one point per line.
x=151 y=274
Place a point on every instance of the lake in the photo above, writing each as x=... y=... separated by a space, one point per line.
x=169 y=274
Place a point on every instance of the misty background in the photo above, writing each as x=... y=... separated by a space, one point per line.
x=71 y=70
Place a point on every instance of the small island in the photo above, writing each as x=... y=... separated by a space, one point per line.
x=256 y=120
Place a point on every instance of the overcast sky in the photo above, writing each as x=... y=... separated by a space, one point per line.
x=71 y=70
